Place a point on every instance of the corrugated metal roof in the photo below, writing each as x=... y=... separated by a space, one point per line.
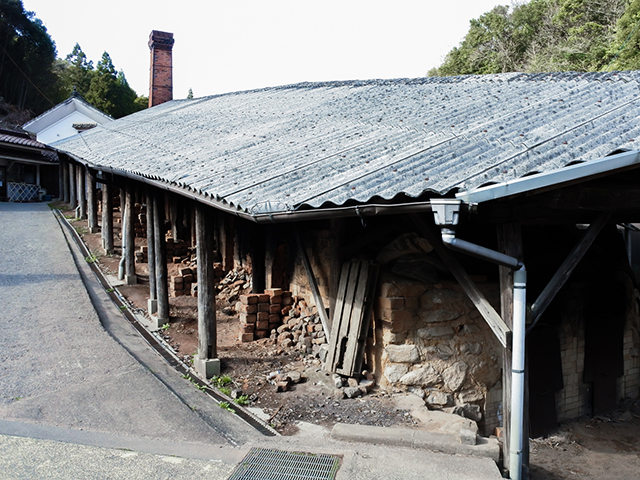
x=319 y=144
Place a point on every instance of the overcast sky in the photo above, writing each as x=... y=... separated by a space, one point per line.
x=244 y=44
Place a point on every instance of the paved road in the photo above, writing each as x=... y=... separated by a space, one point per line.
x=83 y=396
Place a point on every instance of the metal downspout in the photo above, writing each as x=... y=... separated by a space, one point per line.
x=446 y=215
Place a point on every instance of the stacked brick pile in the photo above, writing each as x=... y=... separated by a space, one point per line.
x=262 y=313
x=185 y=283
x=140 y=217
x=142 y=256
x=177 y=250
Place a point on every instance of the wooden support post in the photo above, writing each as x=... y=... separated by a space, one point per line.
x=173 y=216
x=497 y=325
x=60 y=180
x=509 y=243
x=160 y=252
x=206 y=361
x=82 y=191
x=65 y=180
x=317 y=298
x=226 y=237
x=107 y=219
x=92 y=202
x=258 y=259
x=73 y=200
x=152 y=304
x=129 y=237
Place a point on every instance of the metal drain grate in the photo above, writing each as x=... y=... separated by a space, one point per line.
x=262 y=464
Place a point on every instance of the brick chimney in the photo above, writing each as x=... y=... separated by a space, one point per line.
x=161 y=72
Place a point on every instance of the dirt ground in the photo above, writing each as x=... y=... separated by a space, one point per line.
x=594 y=448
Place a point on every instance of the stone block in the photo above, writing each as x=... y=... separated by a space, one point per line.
x=263 y=298
x=436 y=331
x=248 y=327
x=272 y=292
x=177 y=279
x=393 y=303
x=401 y=288
x=263 y=307
x=403 y=353
x=207 y=368
x=185 y=271
x=393 y=372
x=262 y=324
x=455 y=376
x=263 y=316
x=261 y=334
x=438 y=399
x=439 y=316
x=391 y=338
x=424 y=377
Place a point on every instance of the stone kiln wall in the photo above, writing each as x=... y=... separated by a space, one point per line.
x=430 y=339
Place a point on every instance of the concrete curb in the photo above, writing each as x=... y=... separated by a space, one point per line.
x=414 y=438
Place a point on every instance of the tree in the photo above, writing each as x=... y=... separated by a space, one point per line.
x=190 y=94
x=541 y=35
x=27 y=55
x=110 y=92
x=624 y=51
x=78 y=72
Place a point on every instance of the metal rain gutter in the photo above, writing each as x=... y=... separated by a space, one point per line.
x=557 y=177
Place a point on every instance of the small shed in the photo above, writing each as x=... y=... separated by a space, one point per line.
x=28 y=168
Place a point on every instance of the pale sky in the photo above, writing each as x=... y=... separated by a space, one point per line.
x=234 y=45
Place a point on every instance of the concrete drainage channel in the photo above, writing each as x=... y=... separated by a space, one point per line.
x=158 y=344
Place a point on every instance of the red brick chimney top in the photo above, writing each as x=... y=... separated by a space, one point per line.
x=161 y=40
x=161 y=72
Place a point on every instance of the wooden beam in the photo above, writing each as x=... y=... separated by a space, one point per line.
x=92 y=202
x=160 y=253
x=317 y=298
x=207 y=335
x=566 y=269
x=107 y=219
x=495 y=322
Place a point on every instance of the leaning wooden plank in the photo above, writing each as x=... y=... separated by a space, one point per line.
x=495 y=322
x=355 y=322
x=317 y=298
x=337 y=318
x=347 y=313
x=566 y=269
x=367 y=283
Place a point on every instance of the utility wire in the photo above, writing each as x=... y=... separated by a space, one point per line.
x=26 y=76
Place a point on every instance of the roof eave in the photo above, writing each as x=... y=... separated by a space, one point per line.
x=553 y=179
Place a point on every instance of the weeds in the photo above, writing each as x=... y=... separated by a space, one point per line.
x=242 y=400
x=227 y=407
x=202 y=388
x=91 y=258
x=221 y=381
x=165 y=327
